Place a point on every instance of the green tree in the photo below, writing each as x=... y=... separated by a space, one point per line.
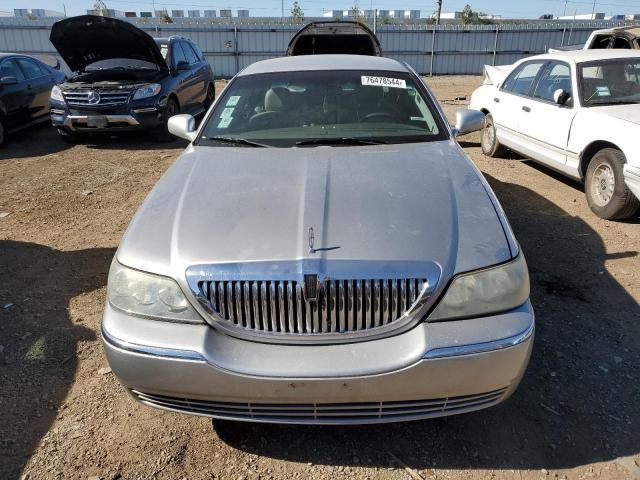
x=469 y=17
x=297 y=15
x=355 y=12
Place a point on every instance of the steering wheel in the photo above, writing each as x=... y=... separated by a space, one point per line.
x=378 y=116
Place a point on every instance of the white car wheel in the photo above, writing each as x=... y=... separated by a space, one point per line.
x=489 y=140
x=607 y=194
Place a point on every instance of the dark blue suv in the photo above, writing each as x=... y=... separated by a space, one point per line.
x=124 y=79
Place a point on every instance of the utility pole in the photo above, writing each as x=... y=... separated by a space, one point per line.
x=282 y=7
x=565 y=8
x=439 y=12
x=593 y=12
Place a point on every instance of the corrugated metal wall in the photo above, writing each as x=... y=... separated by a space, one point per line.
x=449 y=49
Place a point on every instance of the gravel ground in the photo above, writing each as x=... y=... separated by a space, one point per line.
x=63 y=415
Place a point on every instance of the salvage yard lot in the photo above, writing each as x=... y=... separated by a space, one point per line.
x=63 y=415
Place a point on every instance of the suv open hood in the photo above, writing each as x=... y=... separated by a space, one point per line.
x=86 y=39
x=334 y=37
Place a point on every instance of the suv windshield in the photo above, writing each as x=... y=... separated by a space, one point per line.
x=317 y=108
x=611 y=82
x=121 y=63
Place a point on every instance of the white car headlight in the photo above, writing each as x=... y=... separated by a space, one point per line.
x=147 y=91
x=148 y=295
x=484 y=292
x=56 y=94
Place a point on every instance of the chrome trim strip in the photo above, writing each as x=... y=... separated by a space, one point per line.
x=459 y=350
x=148 y=350
x=110 y=119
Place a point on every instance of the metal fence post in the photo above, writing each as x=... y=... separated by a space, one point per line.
x=564 y=31
x=235 y=46
x=495 y=46
x=433 y=48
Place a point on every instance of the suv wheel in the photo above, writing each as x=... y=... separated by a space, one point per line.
x=489 y=139
x=211 y=96
x=607 y=194
x=171 y=109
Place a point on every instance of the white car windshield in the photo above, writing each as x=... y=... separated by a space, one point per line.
x=610 y=82
x=289 y=109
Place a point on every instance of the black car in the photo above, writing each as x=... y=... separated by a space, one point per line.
x=25 y=84
x=124 y=79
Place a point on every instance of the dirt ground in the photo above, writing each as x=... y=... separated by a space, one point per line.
x=576 y=414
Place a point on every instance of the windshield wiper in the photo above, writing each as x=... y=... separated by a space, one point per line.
x=341 y=141
x=237 y=141
x=615 y=102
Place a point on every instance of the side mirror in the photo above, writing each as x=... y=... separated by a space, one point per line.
x=468 y=121
x=8 y=81
x=182 y=65
x=183 y=126
x=561 y=96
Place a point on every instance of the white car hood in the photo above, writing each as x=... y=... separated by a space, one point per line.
x=628 y=113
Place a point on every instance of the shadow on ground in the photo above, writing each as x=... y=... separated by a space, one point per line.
x=38 y=339
x=43 y=139
x=578 y=402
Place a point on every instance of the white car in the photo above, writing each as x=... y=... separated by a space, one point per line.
x=576 y=112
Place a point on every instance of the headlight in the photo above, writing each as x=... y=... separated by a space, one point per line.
x=481 y=293
x=56 y=94
x=148 y=295
x=147 y=91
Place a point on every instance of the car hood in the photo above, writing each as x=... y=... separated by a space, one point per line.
x=86 y=39
x=628 y=113
x=392 y=203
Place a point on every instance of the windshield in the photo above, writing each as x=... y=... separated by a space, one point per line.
x=338 y=108
x=121 y=64
x=610 y=82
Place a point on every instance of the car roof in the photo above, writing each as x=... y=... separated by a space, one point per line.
x=324 y=62
x=582 y=56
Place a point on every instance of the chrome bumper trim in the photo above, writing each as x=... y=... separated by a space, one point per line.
x=445 y=352
x=110 y=119
x=145 y=110
x=153 y=351
x=459 y=350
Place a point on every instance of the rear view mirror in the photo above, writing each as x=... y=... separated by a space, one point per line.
x=561 y=96
x=8 y=81
x=183 y=126
x=468 y=121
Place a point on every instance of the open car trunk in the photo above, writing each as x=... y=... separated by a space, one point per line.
x=333 y=37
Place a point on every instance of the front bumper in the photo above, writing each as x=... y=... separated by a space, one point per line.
x=632 y=179
x=128 y=117
x=433 y=370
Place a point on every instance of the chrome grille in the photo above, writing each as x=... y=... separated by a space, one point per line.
x=83 y=97
x=326 y=413
x=342 y=306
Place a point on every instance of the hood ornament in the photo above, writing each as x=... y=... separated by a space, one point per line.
x=312 y=239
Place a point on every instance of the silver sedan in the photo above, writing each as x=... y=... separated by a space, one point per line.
x=322 y=252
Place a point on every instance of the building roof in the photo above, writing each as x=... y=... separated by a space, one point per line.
x=324 y=62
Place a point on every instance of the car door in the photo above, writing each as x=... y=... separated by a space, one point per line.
x=39 y=82
x=199 y=73
x=182 y=76
x=13 y=98
x=543 y=123
x=506 y=107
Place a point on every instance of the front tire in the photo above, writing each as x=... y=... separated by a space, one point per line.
x=491 y=147
x=171 y=109
x=607 y=194
x=211 y=96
